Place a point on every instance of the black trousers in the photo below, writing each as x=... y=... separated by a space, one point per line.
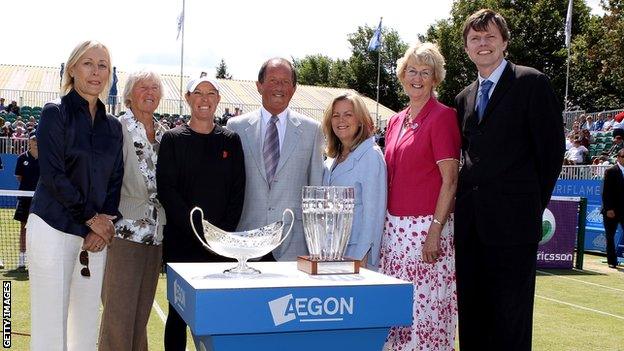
x=175 y=326
x=610 y=226
x=495 y=291
x=175 y=331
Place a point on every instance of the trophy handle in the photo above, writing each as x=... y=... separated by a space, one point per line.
x=205 y=244
x=291 y=224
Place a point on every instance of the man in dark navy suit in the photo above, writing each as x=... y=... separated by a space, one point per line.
x=513 y=146
x=613 y=205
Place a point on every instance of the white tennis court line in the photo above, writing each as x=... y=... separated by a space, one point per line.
x=580 y=307
x=582 y=281
x=160 y=313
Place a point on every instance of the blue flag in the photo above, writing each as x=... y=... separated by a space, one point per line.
x=112 y=93
x=375 y=40
x=180 y=23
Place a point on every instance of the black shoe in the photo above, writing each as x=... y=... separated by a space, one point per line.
x=613 y=266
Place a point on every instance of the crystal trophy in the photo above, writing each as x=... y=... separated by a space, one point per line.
x=327 y=219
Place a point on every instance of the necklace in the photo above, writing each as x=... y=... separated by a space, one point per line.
x=344 y=153
x=408 y=123
x=343 y=156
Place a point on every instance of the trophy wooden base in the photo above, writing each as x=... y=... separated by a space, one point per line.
x=315 y=267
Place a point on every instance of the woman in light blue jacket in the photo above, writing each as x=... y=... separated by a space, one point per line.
x=354 y=159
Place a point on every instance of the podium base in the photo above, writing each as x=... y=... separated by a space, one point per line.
x=370 y=339
x=314 y=267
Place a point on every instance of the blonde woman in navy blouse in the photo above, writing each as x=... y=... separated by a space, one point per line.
x=76 y=200
x=354 y=159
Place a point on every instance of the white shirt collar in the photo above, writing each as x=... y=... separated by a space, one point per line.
x=281 y=117
x=281 y=124
x=495 y=76
x=621 y=167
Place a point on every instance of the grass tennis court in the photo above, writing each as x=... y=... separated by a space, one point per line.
x=574 y=310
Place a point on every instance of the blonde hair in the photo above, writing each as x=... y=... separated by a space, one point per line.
x=136 y=77
x=360 y=111
x=423 y=54
x=67 y=82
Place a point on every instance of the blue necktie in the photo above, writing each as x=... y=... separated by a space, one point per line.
x=270 y=149
x=485 y=97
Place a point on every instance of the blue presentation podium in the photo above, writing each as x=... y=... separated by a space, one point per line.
x=284 y=309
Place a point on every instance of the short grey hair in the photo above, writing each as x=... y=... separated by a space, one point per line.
x=136 y=77
x=425 y=54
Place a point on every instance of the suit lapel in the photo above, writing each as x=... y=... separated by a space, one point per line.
x=253 y=133
x=471 y=100
x=504 y=83
x=342 y=168
x=395 y=131
x=293 y=131
x=349 y=164
x=419 y=119
x=620 y=176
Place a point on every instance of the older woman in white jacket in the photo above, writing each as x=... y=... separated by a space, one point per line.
x=134 y=256
x=354 y=159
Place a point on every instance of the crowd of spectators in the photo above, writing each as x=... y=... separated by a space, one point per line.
x=595 y=140
x=10 y=108
x=15 y=127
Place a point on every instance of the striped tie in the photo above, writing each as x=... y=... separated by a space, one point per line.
x=270 y=149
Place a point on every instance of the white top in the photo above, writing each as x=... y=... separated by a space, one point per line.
x=607 y=124
x=274 y=274
x=281 y=124
x=576 y=153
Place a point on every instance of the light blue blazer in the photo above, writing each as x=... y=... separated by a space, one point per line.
x=365 y=170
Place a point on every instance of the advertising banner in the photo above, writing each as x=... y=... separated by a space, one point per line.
x=594 y=230
x=559 y=222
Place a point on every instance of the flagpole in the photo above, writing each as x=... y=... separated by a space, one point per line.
x=182 y=58
x=568 y=40
x=565 y=108
x=378 y=75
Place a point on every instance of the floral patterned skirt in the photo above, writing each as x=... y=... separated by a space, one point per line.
x=435 y=294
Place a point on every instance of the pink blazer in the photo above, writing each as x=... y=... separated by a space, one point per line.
x=414 y=179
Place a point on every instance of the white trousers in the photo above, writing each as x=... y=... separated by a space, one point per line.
x=64 y=305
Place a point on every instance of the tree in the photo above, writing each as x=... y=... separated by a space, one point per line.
x=597 y=64
x=537 y=39
x=315 y=70
x=222 y=72
x=363 y=66
x=359 y=71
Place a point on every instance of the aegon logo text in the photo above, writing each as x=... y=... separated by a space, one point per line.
x=310 y=309
x=179 y=296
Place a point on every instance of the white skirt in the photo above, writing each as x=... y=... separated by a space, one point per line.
x=435 y=291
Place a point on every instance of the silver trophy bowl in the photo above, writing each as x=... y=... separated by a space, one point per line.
x=244 y=245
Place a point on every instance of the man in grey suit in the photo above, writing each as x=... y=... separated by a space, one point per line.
x=283 y=152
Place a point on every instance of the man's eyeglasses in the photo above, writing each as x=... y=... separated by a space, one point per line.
x=424 y=74
x=84 y=260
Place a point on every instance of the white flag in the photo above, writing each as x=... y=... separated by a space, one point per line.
x=568 y=25
x=180 y=23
